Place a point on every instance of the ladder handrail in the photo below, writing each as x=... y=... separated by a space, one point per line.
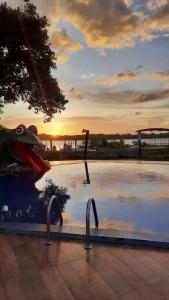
x=54 y=197
x=90 y=202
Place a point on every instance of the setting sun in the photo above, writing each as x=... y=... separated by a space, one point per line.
x=54 y=128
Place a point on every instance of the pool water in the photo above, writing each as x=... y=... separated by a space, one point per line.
x=129 y=195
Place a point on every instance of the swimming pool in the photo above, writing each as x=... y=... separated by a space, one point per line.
x=129 y=195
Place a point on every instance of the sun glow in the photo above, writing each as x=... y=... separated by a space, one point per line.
x=53 y=128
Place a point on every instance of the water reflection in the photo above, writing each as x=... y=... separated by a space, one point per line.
x=118 y=225
x=129 y=196
x=21 y=201
x=87 y=180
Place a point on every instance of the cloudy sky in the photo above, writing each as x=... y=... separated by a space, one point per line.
x=113 y=65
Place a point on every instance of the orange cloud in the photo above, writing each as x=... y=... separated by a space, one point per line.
x=131 y=75
x=62 y=43
x=127 y=98
x=61 y=39
x=61 y=58
x=159 y=21
x=74 y=94
x=109 y=24
x=117 y=77
x=106 y=26
x=106 y=97
x=128 y=2
x=152 y=96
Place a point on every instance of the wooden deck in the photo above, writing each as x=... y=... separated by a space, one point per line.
x=65 y=271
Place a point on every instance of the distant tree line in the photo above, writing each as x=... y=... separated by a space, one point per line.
x=99 y=136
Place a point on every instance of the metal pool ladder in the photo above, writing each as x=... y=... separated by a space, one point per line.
x=52 y=199
x=88 y=238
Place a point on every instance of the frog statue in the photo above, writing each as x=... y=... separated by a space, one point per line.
x=17 y=153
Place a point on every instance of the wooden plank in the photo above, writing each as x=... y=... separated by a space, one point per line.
x=160 y=256
x=164 y=252
x=78 y=286
x=149 y=262
x=15 y=239
x=111 y=277
x=35 y=288
x=15 y=289
x=3 y=294
x=61 y=252
x=97 y=284
x=162 y=286
x=69 y=251
x=140 y=267
x=56 y=284
x=149 y=293
x=54 y=254
x=132 y=296
x=33 y=283
x=133 y=279
x=36 y=247
x=8 y=263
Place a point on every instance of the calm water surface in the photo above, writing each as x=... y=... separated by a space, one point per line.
x=132 y=196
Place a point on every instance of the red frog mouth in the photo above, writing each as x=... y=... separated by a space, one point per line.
x=30 y=157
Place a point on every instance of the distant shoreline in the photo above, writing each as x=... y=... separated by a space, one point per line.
x=101 y=136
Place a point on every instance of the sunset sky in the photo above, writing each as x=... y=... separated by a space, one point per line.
x=113 y=66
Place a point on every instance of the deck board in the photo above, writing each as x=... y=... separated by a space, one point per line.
x=138 y=264
x=38 y=252
x=149 y=292
x=99 y=287
x=133 y=279
x=115 y=281
x=3 y=294
x=66 y=271
x=79 y=286
x=160 y=256
x=56 y=284
x=8 y=263
x=132 y=296
x=15 y=289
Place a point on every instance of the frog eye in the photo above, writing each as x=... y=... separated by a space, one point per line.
x=20 y=129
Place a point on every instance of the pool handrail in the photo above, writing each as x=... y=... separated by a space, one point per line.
x=54 y=197
x=90 y=202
